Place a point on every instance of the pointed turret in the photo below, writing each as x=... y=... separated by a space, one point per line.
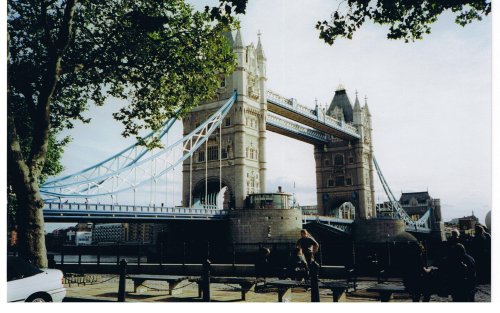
x=238 y=41
x=260 y=50
x=341 y=100
x=357 y=117
x=365 y=107
x=357 y=106
x=229 y=36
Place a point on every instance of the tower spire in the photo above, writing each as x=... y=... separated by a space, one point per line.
x=357 y=106
x=238 y=41
x=260 y=49
x=366 y=106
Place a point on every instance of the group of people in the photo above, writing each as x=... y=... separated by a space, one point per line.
x=465 y=263
x=298 y=265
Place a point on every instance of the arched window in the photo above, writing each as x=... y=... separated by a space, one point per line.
x=339 y=159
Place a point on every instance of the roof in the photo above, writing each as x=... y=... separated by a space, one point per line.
x=420 y=196
x=341 y=100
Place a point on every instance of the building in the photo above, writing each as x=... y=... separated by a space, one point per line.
x=242 y=137
x=111 y=232
x=417 y=204
x=344 y=169
x=141 y=233
x=83 y=238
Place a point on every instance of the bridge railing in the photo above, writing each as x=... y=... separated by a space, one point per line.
x=318 y=115
x=92 y=207
x=297 y=128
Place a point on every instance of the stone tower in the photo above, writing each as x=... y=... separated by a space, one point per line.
x=344 y=169
x=242 y=166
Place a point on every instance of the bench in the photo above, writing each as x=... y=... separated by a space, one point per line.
x=172 y=280
x=385 y=290
x=246 y=283
x=285 y=286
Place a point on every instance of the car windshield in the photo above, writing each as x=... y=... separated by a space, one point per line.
x=18 y=268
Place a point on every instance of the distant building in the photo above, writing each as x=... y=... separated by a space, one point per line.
x=141 y=233
x=111 y=232
x=417 y=204
x=467 y=224
x=83 y=238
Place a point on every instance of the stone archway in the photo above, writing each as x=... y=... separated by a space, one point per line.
x=213 y=184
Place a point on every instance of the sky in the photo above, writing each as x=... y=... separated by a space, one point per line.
x=430 y=103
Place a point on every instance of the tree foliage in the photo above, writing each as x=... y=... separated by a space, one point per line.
x=408 y=20
x=162 y=57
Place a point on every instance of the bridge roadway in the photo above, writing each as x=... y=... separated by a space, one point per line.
x=87 y=212
x=72 y=212
x=316 y=119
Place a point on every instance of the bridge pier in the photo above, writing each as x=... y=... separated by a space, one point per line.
x=380 y=230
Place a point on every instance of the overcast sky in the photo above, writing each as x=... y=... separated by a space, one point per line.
x=430 y=103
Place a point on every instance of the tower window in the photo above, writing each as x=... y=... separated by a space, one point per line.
x=228 y=121
x=348 y=181
x=327 y=162
x=201 y=156
x=213 y=153
x=330 y=182
x=339 y=159
x=339 y=181
x=224 y=153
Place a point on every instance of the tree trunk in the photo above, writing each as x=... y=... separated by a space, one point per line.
x=30 y=222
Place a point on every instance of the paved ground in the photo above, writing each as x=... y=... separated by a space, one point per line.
x=104 y=288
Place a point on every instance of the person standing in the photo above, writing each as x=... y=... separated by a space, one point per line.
x=308 y=246
x=460 y=274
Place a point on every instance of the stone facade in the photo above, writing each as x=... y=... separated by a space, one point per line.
x=344 y=169
x=241 y=140
x=416 y=204
x=381 y=230
x=265 y=225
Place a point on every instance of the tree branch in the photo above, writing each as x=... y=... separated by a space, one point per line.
x=51 y=77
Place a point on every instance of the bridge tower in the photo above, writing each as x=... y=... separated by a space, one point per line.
x=241 y=140
x=344 y=169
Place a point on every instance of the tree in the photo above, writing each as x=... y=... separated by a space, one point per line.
x=64 y=56
x=409 y=20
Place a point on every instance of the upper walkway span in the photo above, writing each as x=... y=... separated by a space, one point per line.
x=316 y=119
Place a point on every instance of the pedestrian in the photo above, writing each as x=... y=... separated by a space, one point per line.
x=416 y=275
x=262 y=268
x=454 y=238
x=308 y=246
x=51 y=262
x=480 y=250
x=297 y=266
x=459 y=272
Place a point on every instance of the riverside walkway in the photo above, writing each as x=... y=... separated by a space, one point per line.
x=104 y=288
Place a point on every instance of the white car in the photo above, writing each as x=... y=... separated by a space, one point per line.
x=28 y=283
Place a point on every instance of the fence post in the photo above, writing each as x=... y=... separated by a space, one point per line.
x=98 y=256
x=208 y=249
x=121 y=284
x=234 y=256
x=161 y=254
x=62 y=256
x=139 y=258
x=314 y=269
x=118 y=254
x=206 y=281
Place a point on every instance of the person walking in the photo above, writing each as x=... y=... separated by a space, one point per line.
x=308 y=246
x=460 y=274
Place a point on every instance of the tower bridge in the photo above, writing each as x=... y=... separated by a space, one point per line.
x=222 y=154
